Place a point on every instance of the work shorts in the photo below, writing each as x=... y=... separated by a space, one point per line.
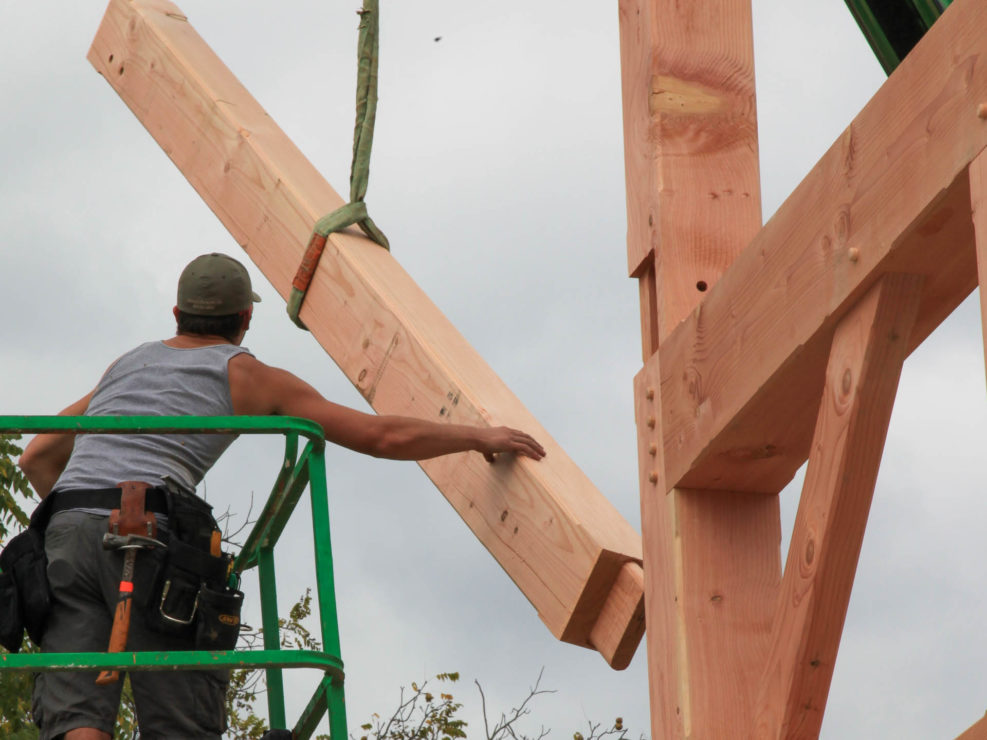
x=85 y=580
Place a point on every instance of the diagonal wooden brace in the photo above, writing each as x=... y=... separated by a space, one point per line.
x=868 y=349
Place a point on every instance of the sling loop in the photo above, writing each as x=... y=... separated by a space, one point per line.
x=354 y=212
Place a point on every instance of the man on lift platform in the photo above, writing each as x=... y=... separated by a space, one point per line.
x=202 y=371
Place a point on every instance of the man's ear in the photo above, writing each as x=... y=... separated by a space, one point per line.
x=247 y=315
x=175 y=312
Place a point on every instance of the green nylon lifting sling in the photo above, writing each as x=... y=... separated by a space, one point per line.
x=354 y=212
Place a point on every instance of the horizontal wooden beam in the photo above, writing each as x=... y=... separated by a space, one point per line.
x=554 y=533
x=742 y=375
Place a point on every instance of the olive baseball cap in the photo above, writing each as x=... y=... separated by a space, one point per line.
x=215 y=285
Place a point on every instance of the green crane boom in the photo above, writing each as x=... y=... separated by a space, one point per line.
x=893 y=27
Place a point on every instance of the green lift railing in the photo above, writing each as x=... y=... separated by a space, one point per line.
x=893 y=27
x=298 y=471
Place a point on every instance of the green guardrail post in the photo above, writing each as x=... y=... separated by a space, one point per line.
x=326 y=588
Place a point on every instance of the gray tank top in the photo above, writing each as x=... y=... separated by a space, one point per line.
x=155 y=380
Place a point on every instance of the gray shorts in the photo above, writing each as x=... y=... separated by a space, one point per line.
x=84 y=578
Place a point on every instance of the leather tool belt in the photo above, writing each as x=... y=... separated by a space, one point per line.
x=191 y=592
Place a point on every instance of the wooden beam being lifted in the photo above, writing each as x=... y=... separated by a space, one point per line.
x=574 y=557
x=741 y=376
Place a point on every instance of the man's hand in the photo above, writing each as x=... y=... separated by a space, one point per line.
x=505 y=439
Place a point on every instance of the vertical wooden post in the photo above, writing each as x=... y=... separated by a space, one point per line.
x=690 y=145
x=712 y=563
x=978 y=202
x=869 y=347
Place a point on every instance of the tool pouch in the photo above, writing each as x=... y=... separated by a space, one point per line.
x=24 y=583
x=217 y=624
x=190 y=596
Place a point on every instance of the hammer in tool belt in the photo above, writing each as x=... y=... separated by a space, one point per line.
x=130 y=529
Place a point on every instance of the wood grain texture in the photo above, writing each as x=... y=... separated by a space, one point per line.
x=690 y=144
x=693 y=203
x=741 y=376
x=978 y=204
x=712 y=570
x=869 y=347
x=618 y=634
x=667 y=678
x=556 y=536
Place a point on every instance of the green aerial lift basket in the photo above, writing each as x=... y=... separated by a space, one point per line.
x=893 y=27
x=297 y=472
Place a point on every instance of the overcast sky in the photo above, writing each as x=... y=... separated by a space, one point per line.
x=498 y=177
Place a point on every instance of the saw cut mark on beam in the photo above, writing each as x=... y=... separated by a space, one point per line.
x=555 y=534
x=741 y=376
x=869 y=346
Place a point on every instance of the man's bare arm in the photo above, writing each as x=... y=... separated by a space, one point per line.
x=46 y=455
x=260 y=389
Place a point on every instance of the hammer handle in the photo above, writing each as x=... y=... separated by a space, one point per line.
x=121 y=617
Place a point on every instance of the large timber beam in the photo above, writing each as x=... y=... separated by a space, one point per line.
x=570 y=552
x=742 y=375
x=712 y=564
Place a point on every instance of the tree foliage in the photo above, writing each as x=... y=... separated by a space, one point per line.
x=13 y=488
x=15 y=688
x=421 y=715
x=246 y=685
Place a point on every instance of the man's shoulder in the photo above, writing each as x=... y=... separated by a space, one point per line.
x=252 y=368
x=259 y=388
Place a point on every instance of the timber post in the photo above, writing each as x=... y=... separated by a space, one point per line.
x=693 y=203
